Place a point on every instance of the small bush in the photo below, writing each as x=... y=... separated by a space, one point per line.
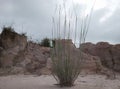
x=8 y=32
x=45 y=42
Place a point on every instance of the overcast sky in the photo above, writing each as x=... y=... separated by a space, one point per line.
x=34 y=17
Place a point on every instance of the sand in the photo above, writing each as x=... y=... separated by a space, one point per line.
x=47 y=82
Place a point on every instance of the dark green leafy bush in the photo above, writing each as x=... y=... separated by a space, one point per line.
x=45 y=42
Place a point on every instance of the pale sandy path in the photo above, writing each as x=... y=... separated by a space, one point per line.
x=47 y=82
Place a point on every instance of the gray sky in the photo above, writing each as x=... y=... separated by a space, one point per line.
x=34 y=17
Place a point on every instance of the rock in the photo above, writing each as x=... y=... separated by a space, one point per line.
x=89 y=48
x=91 y=64
x=16 y=52
x=35 y=57
x=108 y=54
x=11 y=39
x=115 y=54
x=11 y=44
x=103 y=51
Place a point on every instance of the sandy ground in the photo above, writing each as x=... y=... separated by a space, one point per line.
x=47 y=82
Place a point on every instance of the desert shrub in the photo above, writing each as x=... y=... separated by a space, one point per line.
x=45 y=42
x=66 y=66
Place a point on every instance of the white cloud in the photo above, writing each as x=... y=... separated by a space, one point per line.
x=34 y=17
x=111 y=6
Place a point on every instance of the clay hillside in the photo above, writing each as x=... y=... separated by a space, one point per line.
x=19 y=56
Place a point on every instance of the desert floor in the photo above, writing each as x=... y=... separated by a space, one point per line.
x=48 y=82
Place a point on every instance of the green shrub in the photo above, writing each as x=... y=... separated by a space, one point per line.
x=45 y=42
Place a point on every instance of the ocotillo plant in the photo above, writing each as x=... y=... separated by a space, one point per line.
x=65 y=66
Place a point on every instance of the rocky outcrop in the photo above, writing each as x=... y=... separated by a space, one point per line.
x=17 y=55
x=115 y=55
x=11 y=45
x=35 y=57
x=20 y=56
x=108 y=54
